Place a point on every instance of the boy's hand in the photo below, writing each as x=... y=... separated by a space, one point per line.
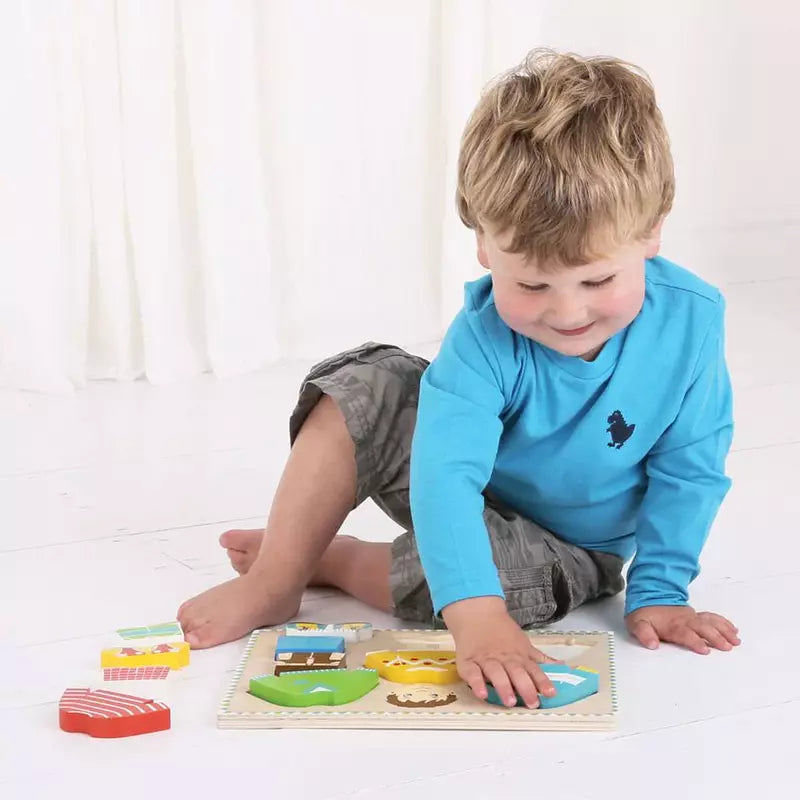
x=491 y=647
x=682 y=625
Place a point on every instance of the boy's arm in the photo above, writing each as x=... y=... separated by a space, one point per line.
x=686 y=484
x=462 y=397
x=455 y=445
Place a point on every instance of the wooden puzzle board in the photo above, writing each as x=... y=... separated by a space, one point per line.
x=595 y=650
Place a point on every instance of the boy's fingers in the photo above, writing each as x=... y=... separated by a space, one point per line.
x=688 y=638
x=721 y=623
x=496 y=675
x=731 y=636
x=717 y=619
x=524 y=685
x=712 y=636
x=473 y=677
x=727 y=629
x=543 y=684
x=645 y=633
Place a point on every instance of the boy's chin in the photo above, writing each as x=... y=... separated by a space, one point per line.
x=586 y=348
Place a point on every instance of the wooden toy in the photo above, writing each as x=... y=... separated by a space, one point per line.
x=419 y=706
x=136 y=673
x=571 y=684
x=309 y=644
x=351 y=631
x=109 y=715
x=421 y=697
x=326 y=688
x=414 y=666
x=171 y=629
x=173 y=654
x=298 y=662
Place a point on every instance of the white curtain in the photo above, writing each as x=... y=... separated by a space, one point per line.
x=191 y=186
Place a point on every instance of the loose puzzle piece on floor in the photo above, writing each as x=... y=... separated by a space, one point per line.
x=109 y=715
x=571 y=684
x=171 y=654
x=423 y=705
x=414 y=666
x=316 y=688
x=351 y=631
x=297 y=662
x=309 y=644
x=171 y=629
x=158 y=673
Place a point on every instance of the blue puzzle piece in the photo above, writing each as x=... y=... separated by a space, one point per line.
x=571 y=684
x=309 y=644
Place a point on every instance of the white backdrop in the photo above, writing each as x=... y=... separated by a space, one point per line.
x=190 y=186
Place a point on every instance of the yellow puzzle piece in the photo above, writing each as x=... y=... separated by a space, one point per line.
x=414 y=666
x=174 y=655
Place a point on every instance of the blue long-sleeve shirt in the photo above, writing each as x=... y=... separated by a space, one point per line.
x=624 y=454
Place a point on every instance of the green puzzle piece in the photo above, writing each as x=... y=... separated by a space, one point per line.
x=161 y=629
x=325 y=687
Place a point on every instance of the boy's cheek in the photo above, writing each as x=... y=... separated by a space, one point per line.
x=626 y=304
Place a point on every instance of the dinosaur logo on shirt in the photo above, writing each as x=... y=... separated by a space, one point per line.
x=619 y=429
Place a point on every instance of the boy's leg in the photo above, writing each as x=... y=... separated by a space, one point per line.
x=357 y=567
x=315 y=494
x=351 y=437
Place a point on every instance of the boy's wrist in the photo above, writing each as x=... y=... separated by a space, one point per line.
x=464 y=613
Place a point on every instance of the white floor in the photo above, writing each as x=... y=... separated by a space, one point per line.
x=111 y=503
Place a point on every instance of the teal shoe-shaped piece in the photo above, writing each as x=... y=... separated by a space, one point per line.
x=571 y=684
x=327 y=687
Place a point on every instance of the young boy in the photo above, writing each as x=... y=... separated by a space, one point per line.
x=578 y=413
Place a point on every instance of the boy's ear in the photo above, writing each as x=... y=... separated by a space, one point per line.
x=654 y=241
x=482 y=259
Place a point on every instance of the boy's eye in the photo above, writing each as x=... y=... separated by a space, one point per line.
x=598 y=284
x=527 y=287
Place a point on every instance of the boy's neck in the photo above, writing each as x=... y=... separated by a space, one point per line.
x=592 y=354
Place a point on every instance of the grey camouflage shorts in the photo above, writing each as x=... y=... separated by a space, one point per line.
x=376 y=387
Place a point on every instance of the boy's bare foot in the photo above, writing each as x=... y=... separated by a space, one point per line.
x=242 y=547
x=234 y=609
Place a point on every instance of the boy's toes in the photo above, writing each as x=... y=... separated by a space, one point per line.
x=239 y=561
x=200 y=636
x=241 y=539
x=189 y=620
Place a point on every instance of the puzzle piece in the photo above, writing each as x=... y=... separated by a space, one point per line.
x=571 y=683
x=109 y=715
x=172 y=654
x=161 y=629
x=414 y=666
x=158 y=673
x=297 y=662
x=309 y=644
x=315 y=688
x=351 y=631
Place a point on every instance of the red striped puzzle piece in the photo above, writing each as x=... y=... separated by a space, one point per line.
x=154 y=673
x=109 y=715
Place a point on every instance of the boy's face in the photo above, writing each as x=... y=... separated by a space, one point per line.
x=572 y=310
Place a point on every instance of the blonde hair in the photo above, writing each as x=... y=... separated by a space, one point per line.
x=569 y=153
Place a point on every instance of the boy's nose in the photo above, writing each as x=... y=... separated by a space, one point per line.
x=568 y=319
x=567 y=311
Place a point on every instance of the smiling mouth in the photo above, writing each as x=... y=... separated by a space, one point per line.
x=574 y=331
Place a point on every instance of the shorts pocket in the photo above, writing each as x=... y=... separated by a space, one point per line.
x=529 y=594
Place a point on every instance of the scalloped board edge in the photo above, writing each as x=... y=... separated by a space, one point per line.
x=240 y=710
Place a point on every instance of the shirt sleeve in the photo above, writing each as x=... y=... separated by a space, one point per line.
x=455 y=445
x=686 y=483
